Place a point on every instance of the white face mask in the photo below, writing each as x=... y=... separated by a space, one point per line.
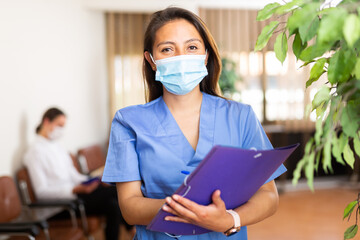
x=56 y=133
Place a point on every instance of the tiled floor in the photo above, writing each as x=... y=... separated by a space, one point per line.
x=303 y=215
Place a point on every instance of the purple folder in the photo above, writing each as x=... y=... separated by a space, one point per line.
x=237 y=173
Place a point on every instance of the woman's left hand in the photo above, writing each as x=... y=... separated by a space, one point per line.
x=212 y=216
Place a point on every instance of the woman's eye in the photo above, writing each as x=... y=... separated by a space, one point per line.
x=166 y=50
x=193 y=48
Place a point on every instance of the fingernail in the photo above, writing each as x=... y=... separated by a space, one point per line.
x=168 y=199
x=176 y=197
x=165 y=208
x=166 y=219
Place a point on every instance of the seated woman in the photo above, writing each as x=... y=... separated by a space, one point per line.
x=55 y=177
x=185 y=117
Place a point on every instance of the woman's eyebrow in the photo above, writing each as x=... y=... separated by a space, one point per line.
x=173 y=43
x=193 y=40
x=165 y=42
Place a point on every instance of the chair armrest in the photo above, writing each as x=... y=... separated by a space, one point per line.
x=67 y=203
x=71 y=205
x=31 y=229
x=43 y=224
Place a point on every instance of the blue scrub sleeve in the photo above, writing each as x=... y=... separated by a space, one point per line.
x=122 y=163
x=255 y=137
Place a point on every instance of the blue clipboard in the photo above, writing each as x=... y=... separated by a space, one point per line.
x=237 y=173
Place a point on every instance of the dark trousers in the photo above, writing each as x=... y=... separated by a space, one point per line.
x=103 y=201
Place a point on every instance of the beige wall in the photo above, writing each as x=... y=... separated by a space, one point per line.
x=52 y=53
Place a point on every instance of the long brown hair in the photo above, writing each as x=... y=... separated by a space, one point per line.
x=50 y=114
x=210 y=83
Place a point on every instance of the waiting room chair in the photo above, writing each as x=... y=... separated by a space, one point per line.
x=90 y=224
x=23 y=231
x=91 y=158
x=25 y=221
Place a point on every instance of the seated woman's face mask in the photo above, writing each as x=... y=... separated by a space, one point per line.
x=56 y=133
x=181 y=74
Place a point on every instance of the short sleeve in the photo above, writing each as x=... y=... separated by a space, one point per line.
x=255 y=137
x=254 y=134
x=122 y=163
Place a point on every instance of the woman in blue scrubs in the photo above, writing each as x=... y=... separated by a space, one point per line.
x=152 y=144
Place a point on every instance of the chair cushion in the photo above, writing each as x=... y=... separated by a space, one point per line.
x=10 y=205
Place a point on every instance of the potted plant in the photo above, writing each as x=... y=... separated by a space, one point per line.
x=228 y=77
x=328 y=37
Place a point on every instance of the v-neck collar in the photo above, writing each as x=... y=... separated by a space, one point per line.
x=206 y=128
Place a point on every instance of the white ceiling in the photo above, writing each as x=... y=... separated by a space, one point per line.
x=154 y=5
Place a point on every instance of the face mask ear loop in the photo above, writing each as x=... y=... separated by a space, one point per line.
x=206 y=56
x=152 y=58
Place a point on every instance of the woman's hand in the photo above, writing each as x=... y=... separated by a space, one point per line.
x=86 y=188
x=212 y=216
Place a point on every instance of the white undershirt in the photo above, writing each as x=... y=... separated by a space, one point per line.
x=51 y=170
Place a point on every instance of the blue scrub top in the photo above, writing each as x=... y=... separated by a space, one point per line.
x=147 y=145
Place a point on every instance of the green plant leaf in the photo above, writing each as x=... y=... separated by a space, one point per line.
x=336 y=152
x=313 y=51
x=327 y=157
x=309 y=171
x=351 y=232
x=325 y=11
x=267 y=11
x=316 y=71
x=349 y=156
x=265 y=35
x=328 y=125
x=307 y=63
x=281 y=47
x=349 y=119
x=300 y=165
x=349 y=208
x=322 y=95
x=307 y=111
x=317 y=160
x=309 y=146
x=320 y=110
x=302 y=17
x=341 y=66
x=346 y=2
x=335 y=106
x=342 y=141
x=308 y=30
x=357 y=144
x=290 y=6
x=297 y=171
x=319 y=130
x=357 y=68
x=331 y=25
x=298 y=46
x=351 y=29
